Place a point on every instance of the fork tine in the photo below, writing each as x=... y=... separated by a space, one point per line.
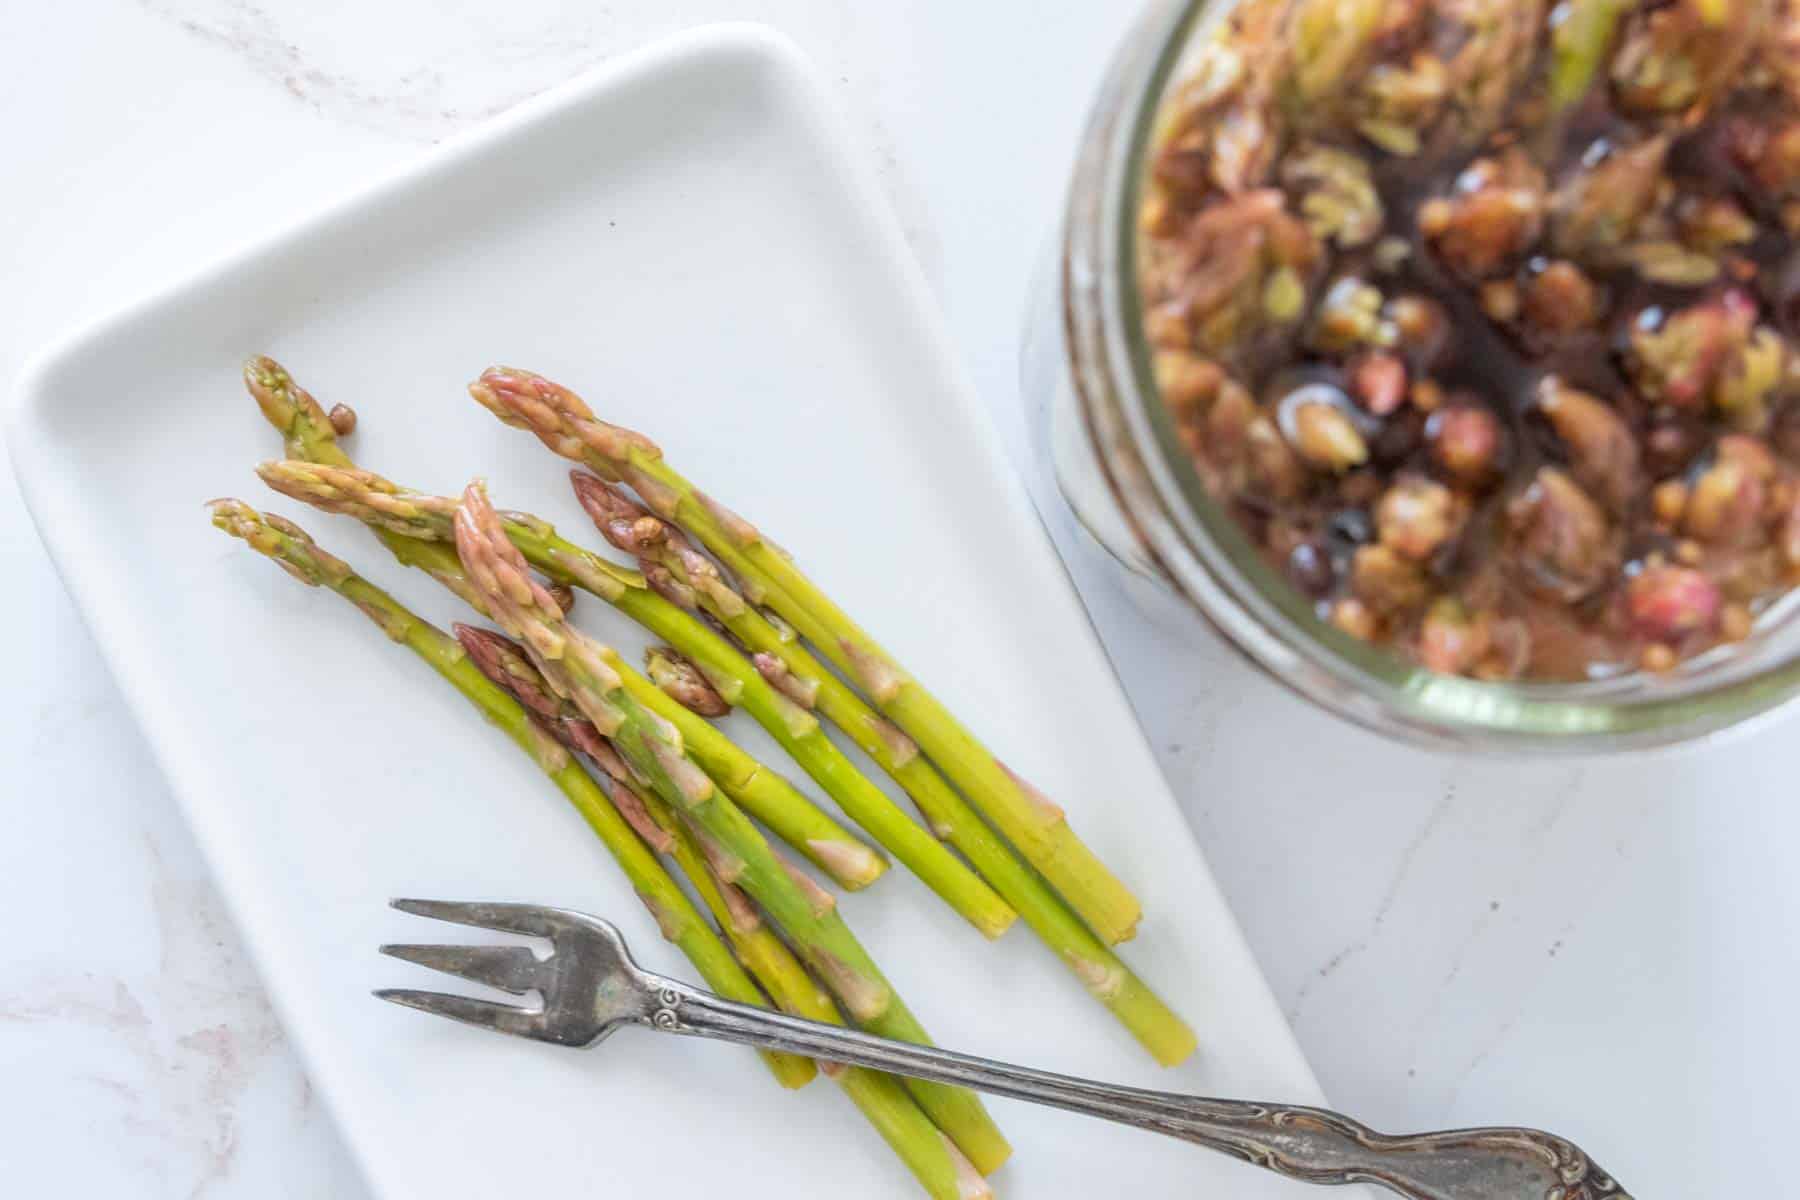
x=510 y=968
x=504 y=1018
x=527 y=919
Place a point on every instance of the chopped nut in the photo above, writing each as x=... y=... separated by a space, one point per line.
x=1679 y=360
x=1600 y=207
x=1510 y=652
x=1325 y=436
x=1495 y=43
x=1667 y=604
x=1228 y=422
x=1379 y=381
x=1167 y=325
x=1355 y=618
x=1399 y=102
x=1391 y=254
x=343 y=419
x=1563 y=546
x=1668 y=500
x=1416 y=517
x=1561 y=299
x=1187 y=381
x=1603 y=455
x=1492 y=217
x=1451 y=641
x=1386 y=582
x=1274 y=469
x=1680 y=55
x=1227 y=270
x=1750 y=379
x=1466 y=442
x=1500 y=300
x=1337 y=196
x=1658 y=659
x=1419 y=322
x=1715 y=223
x=1330 y=39
x=1725 y=504
x=1426 y=396
x=1672 y=263
x=1350 y=316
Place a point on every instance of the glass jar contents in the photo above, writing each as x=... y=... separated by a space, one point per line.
x=1480 y=317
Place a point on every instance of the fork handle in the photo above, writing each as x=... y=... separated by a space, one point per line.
x=1309 y=1144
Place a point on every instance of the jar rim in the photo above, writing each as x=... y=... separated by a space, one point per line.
x=1206 y=556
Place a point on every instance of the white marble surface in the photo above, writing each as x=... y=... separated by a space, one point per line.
x=1605 y=948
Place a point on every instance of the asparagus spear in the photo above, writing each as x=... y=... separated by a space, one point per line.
x=583 y=671
x=686 y=576
x=375 y=500
x=933 y=1158
x=309 y=435
x=1036 y=826
x=290 y=547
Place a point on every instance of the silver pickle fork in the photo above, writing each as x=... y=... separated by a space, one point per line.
x=590 y=987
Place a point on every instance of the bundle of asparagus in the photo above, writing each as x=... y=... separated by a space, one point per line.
x=678 y=787
x=1036 y=826
x=493 y=679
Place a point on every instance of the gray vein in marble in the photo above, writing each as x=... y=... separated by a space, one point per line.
x=424 y=102
x=1402 y=868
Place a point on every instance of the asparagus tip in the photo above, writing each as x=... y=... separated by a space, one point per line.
x=682 y=681
x=280 y=540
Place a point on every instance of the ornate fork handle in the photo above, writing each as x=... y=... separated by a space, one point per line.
x=1308 y=1144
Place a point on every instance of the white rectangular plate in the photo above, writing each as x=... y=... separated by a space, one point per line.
x=691 y=238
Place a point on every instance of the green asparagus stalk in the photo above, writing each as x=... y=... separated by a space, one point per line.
x=375 y=500
x=687 y=577
x=309 y=436
x=582 y=670
x=1036 y=826
x=931 y=1157
x=677 y=919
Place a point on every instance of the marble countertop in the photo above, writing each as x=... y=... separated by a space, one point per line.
x=1605 y=948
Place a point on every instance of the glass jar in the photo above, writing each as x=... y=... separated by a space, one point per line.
x=1103 y=438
